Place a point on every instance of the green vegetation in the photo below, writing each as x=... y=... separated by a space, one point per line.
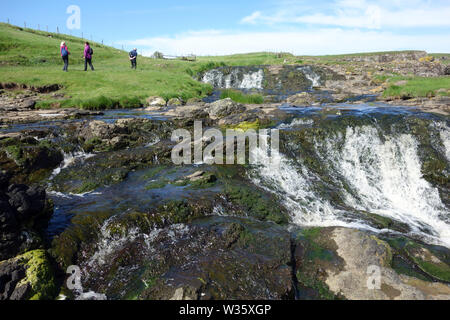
x=412 y=87
x=256 y=205
x=342 y=58
x=86 y=187
x=240 y=97
x=252 y=59
x=32 y=57
x=39 y=275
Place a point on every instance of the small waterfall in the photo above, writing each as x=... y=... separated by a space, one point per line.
x=444 y=132
x=311 y=75
x=386 y=179
x=237 y=79
x=382 y=175
x=295 y=184
x=70 y=159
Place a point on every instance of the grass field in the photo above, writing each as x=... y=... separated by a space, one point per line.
x=32 y=57
x=240 y=97
x=417 y=87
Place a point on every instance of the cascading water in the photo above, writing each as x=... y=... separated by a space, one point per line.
x=236 y=79
x=311 y=75
x=261 y=78
x=371 y=170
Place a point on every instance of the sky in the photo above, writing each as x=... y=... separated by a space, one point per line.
x=209 y=27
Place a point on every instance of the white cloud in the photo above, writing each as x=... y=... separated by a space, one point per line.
x=321 y=41
x=361 y=14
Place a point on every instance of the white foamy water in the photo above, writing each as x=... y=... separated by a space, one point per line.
x=235 y=79
x=70 y=159
x=384 y=176
x=445 y=137
x=386 y=179
x=311 y=75
x=296 y=123
x=295 y=186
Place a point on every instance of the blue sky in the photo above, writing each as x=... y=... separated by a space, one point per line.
x=223 y=27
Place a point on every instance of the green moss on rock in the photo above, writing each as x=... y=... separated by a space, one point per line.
x=39 y=274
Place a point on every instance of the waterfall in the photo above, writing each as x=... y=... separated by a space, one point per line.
x=70 y=159
x=236 y=79
x=383 y=176
x=311 y=75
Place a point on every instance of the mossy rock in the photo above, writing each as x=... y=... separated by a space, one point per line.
x=428 y=262
x=314 y=253
x=39 y=275
x=386 y=223
x=254 y=203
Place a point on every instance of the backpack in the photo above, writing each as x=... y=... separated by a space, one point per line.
x=64 y=52
x=91 y=51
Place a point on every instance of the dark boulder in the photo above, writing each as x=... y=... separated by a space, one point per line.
x=447 y=71
x=24 y=213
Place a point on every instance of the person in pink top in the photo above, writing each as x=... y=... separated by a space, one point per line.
x=88 y=52
x=65 y=55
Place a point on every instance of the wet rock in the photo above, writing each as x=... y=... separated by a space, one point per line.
x=198 y=179
x=175 y=102
x=156 y=102
x=338 y=262
x=224 y=108
x=428 y=262
x=29 y=104
x=195 y=101
x=251 y=262
x=28 y=159
x=24 y=213
x=301 y=99
x=27 y=277
x=99 y=136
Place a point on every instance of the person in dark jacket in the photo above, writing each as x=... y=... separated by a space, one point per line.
x=88 y=52
x=65 y=55
x=133 y=58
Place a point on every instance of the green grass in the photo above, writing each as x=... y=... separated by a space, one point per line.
x=240 y=97
x=417 y=87
x=32 y=57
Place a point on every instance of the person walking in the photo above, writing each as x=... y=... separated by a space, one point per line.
x=65 y=55
x=133 y=58
x=88 y=52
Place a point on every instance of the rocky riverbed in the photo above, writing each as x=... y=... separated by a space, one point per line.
x=358 y=207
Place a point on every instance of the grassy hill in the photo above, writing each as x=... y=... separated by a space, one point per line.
x=32 y=57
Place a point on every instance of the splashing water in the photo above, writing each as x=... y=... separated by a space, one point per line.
x=70 y=159
x=235 y=80
x=383 y=176
x=311 y=75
